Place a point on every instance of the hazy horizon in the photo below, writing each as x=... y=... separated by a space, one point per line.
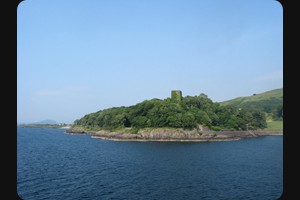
x=78 y=57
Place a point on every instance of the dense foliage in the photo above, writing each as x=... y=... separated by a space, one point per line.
x=187 y=113
x=270 y=102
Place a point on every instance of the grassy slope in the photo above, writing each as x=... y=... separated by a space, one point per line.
x=277 y=93
x=274 y=125
x=259 y=101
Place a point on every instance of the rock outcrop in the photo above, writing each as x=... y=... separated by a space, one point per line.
x=172 y=134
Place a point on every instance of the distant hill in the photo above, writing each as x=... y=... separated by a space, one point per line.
x=46 y=122
x=269 y=102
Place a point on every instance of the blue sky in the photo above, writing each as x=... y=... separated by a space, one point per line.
x=80 y=56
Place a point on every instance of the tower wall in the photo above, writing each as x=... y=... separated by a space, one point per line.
x=176 y=95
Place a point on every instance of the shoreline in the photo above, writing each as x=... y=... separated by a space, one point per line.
x=165 y=140
x=176 y=135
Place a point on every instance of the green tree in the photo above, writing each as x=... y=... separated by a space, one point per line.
x=188 y=120
x=140 y=121
x=187 y=113
x=175 y=120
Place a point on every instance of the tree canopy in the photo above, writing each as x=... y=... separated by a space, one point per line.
x=187 y=113
x=271 y=102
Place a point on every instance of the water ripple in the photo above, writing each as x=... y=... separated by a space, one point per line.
x=54 y=165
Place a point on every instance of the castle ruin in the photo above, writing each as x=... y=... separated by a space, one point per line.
x=176 y=95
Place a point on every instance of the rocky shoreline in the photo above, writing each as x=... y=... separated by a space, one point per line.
x=175 y=135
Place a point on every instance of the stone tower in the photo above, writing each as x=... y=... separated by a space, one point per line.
x=176 y=95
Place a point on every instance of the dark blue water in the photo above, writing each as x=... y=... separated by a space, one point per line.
x=54 y=165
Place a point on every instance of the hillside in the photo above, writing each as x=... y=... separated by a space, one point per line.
x=270 y=102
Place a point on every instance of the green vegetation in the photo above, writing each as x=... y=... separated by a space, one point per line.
x=270 y=102
x=274 y=125
x=186 y=113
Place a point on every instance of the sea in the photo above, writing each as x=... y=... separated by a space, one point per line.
x=54 y=165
